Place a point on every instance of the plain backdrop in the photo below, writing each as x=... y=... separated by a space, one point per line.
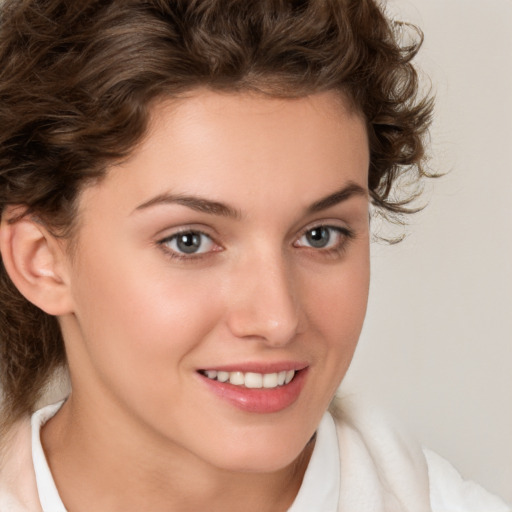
x=436 y=349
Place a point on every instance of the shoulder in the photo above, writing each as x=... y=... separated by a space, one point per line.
x=18 y=490
x=382 y=468
x=390 y=469
x=450 y=492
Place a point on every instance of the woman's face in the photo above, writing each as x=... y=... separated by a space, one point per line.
x=232 y=245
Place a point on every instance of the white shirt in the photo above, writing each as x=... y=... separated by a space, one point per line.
x=320 y=489
x=48 y=494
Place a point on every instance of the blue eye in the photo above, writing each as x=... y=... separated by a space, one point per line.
x=189 y=242
x=318 y=237
x=323 y=237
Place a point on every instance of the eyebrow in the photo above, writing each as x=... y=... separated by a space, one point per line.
x=196 y=203
x=208 y=206
x=343 y=194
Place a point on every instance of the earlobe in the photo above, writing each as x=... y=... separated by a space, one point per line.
x=35 y=262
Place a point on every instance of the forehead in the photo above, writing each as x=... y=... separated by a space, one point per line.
x=243 y=116
x=238 y=147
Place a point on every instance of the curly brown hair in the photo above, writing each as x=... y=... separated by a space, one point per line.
x=77 y=81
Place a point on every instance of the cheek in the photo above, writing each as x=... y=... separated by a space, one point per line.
x=336 y=308
x=138 y=331
x=136 y=319
x=340 y=295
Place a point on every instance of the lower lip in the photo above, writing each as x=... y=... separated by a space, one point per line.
x=261 y=400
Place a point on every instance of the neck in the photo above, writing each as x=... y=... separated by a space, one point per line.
x=99 y=463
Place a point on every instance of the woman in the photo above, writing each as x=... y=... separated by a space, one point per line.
x=185 y=197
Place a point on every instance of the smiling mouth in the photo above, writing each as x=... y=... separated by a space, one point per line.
x=251 y=380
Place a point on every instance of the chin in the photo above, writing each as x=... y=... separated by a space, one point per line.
x=260 y=454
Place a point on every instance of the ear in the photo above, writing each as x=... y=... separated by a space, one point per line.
x=36 y=262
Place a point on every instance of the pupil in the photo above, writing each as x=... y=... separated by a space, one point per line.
x=189 y=242
x=318 y=237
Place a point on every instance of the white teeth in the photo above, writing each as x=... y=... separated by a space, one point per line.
x=251 y=379
x=236 y=378
x=270 y=380
x=222 y=376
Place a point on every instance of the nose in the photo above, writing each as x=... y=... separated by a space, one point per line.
x=263 y=301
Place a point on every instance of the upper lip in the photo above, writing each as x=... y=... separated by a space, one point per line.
x=259 y=367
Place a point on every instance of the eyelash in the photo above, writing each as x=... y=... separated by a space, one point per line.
x=174 y=254
x=339 y=247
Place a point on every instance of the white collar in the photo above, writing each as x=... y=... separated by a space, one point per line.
x=319 y=489
x=48 y=494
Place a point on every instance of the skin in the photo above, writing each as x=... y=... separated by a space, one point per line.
x=146 y=430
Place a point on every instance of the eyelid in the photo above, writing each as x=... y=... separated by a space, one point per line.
x=164 y=242
x=346 y=234
x=333 y=224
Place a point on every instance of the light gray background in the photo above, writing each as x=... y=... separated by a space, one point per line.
x=437 y=345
